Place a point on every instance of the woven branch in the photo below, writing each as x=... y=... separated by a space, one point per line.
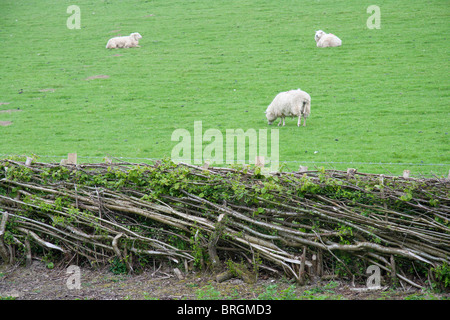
x=100 y=211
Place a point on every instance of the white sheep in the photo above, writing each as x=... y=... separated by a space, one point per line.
x=124 y=42
x=326 y=39
x=292 y=103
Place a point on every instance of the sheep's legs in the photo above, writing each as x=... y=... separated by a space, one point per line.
x=281 y=120
x=300 y=121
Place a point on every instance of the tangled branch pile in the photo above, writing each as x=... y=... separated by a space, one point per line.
x=313 y=223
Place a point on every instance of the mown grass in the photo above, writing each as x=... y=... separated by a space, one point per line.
x=380 y=98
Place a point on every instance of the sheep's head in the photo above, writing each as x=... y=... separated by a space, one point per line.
x=136 y=36
x=270 y=117
x=319 y=34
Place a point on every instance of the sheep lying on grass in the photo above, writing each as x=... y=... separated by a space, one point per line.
x=124 y=42
x=293 y=103
x=326 y=39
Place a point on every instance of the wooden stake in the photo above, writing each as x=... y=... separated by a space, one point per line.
x=406 y=174
x=259 y=161
x=3 y=250
x=29 y=256
x=393 y=271
x=301 y=273
x=383 y=196
x=72 y=158
x=319 y=263
x=314 y=264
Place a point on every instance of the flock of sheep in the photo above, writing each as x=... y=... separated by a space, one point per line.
x=293 y=103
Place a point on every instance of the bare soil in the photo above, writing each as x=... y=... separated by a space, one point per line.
x=10 y=110
x=99 y=76
x=38 y=282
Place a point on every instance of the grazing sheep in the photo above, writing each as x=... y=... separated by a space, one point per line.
x=293 y=103
x=124 y=42
x=326 y=39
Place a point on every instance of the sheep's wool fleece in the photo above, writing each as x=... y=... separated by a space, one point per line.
x=290 y=103
x=327 y=40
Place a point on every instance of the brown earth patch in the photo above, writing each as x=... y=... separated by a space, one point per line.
x=100 y=76
x=5 y=123
x=2 y=103
x=10 y=110
x=47 y=90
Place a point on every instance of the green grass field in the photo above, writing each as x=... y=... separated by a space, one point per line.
x=383 y=97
